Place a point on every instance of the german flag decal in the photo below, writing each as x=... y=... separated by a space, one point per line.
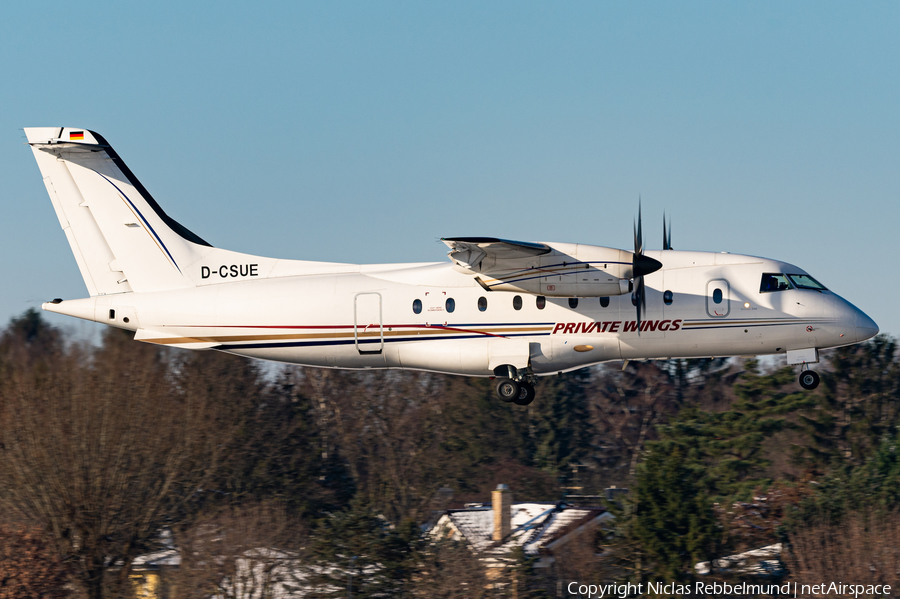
x=76 y=135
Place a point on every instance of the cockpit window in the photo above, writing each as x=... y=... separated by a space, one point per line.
x=806 y=282
x=774 y=282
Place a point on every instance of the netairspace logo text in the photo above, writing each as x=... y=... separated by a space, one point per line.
x=788 y=589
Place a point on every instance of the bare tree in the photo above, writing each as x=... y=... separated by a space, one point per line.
x=101 y=450
x=449 y=570
x=388 y=430
x=580 y=560
x=862 y=548
x=250 y=552
x=626 y=406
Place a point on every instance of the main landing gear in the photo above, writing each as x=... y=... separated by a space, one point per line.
x=516 y=385
x=809 y=379
x=520 y=393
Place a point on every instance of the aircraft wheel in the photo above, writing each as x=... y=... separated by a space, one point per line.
x=809 y=379
x=526 y=394
x=508 y=390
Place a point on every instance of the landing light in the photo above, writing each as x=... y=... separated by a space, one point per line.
x=746 y=304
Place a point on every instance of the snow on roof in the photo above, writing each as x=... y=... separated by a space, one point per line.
x=764 y=560
x=169 y=555
x=157 y=559
x=534 y=525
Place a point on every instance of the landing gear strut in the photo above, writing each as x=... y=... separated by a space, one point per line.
x=809 y=379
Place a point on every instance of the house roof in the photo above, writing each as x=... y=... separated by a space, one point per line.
x=167 y=556
x=764 y=560
x=535 y=526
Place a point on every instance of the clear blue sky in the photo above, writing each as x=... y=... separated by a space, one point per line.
x=363 y=132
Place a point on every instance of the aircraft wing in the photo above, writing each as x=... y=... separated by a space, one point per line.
x=560 y=270
x=470 y=251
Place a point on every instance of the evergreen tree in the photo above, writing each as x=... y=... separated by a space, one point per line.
x=559 y=423
x=673 y=520
x=734 y=445
x=357 y=550
x=873 y=487
x=277 y=453
x=28 y=342
x=860 y=391
x=31 y=328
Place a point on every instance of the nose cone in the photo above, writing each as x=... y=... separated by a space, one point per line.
x=853 y=325
x=865 y=326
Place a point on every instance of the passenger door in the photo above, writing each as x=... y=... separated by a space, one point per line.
x=368 y=332
x=718 y=298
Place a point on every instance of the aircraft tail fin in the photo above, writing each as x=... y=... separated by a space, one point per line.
x=121 y=238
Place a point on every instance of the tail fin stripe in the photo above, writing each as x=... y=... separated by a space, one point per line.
x=170 y=222
x=159 y=242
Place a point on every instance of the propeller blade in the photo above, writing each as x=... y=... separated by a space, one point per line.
x=639 y=303
x=643 y=300
x=667 y=235
x=642 y=265
x=638 y=236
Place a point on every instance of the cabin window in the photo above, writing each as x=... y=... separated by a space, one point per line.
x=668 y=296
x=450 y=304
x=717 y=296
x=417 y=306
x=604 y=302
x=573 y=302
x=806 y=282
x=482 y=304
x=541 y=302
x=517 y=302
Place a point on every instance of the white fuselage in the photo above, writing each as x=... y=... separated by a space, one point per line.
x=364 y=317
x=505 y=308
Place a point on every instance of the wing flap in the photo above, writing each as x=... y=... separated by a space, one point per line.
x=471 y=251
x=560 y=270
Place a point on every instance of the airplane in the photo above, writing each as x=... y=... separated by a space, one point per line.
x=509 y=310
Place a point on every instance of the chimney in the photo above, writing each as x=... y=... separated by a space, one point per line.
x=502 y=499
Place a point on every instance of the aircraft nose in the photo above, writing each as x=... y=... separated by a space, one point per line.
x=865 y=326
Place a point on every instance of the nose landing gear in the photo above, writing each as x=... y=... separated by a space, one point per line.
x=803 y=358
x=809 y=379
